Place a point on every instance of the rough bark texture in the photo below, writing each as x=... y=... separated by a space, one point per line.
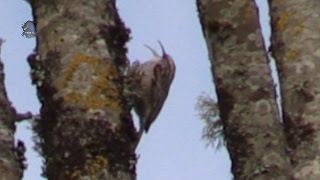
x=245 y=90
x=10 y=167
x=295 y=46
x=85 y=130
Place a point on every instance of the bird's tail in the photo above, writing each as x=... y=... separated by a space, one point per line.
x=139 y=136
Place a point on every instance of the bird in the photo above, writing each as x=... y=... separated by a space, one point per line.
x=153 y=80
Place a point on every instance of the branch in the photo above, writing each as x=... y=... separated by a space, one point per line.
x=24 y=116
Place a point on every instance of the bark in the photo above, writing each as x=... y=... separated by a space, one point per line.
x=295 y=46
x=85 y=127
x=10 y=167
x=245 y=89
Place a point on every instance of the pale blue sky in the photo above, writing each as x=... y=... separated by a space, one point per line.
x=173 y=148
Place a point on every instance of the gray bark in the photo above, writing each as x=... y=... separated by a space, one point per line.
x=85 y=127
x=245 y=89
x=295 y=46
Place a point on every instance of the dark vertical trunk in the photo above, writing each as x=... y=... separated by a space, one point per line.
x=10 y=167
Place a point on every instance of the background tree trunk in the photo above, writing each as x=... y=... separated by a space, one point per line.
x=85 y=130
x=245 y=90
x=10 y=167
x=295 y=46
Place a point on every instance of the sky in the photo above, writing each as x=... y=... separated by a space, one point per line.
x=173 y=148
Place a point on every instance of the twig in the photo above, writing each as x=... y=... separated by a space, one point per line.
x=1 y=42
x=24 y=116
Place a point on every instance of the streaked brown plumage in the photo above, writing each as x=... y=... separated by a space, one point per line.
x=154 y=80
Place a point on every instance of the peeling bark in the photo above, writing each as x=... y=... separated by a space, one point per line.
x=295 y=46
x=85 y=128
x=245 y=89
x=10 y=167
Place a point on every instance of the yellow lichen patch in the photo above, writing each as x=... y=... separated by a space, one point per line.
x=104 y=85
x=292 y=55
x=284 y=19
x=248 y=11
x=95 y=102
x=90 y=82
x=75 y=174
x=72 y=68
x=297 y=29
x=73 y=97
x=96 y=164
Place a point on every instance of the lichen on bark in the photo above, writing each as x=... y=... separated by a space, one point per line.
x=10 y=167
x=85 y=129
x=245 y=89
x=295 y=46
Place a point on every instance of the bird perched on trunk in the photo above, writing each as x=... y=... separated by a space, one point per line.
x=152 y=80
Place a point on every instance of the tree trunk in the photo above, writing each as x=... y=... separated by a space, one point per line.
x=245 y=89
x=295 y=46
x=85 y=130
x=10 y=167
